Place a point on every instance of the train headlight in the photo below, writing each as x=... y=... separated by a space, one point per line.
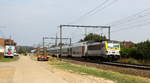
x=106 y=51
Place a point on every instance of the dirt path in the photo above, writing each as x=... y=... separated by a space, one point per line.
x=26 y=70
x=72 y=77
x=7 y=70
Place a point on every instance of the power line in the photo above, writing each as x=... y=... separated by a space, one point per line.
x=137 y=21
x=131 y=18
x=131 y=27
x=134 y=21
x=104 y=7
x=136 y=24
x=92 y=10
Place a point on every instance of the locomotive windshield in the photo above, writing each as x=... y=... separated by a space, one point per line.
x=113 y=45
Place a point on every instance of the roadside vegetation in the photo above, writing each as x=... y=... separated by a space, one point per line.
x=24 y=49
x=15 y=58
x=116 y=77
x=137 y=54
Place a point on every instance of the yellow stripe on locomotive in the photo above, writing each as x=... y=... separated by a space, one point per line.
x=112 y=48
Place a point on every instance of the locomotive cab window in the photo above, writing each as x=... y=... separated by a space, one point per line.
x=113 y=45
x=116 y=46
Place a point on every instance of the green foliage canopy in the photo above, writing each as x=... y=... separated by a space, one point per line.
x=94 y=38
x=24 y=49
x=139 y=51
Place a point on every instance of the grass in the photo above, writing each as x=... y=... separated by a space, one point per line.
x=116 y=77
x=133 y=61
x=128 y=61
x=9 y=59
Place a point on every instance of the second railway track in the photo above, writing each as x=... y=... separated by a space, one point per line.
x=136 y=66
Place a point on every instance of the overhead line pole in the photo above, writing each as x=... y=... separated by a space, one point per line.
x=58 y=38
x=56 y=41
x=109 y=32
x=43 y=47
x=61 y=26
x=108 y=27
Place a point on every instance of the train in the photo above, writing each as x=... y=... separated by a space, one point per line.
x=105 y=50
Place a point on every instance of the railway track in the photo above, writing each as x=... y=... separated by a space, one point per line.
x=135 y=66
x=128 y=65
x=137 y=70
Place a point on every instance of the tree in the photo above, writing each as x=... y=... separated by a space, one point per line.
x=140 y=51
x=144 y=49
x=131 y=52
x=21 y=50
x=61 y=44
x=24 y=49
x=94 y=38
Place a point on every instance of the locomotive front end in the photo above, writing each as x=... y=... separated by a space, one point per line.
x=112 y=50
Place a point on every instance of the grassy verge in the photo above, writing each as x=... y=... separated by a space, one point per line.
x=133 y=61
x=9 y=59
x=117 y=77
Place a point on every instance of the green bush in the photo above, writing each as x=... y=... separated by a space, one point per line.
x=141 y=51
x=129 y=52
x=144 y=49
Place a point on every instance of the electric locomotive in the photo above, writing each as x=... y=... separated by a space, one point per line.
x=107 y=50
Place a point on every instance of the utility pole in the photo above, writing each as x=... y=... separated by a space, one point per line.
x=70 y=41
x=60 y=40
x=37 y=51
x=43 y=46
x=109 y=33
x=85 y=32
x=56 y=40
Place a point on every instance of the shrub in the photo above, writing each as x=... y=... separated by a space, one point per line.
x=140 y=51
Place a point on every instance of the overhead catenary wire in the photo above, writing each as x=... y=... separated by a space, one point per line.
x=100 y=7
x=140 y=21
x=137 y=21
x=105 y=6
x=90 y=11
x=127 y=23
x=132 y=27
x=131 y=17
x=133 y=21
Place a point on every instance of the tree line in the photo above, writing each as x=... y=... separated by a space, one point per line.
x=140 y=51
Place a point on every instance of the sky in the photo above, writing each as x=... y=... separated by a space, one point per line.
x=27 y=21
